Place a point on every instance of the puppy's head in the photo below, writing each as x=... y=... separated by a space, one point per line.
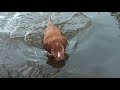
x=58 y=48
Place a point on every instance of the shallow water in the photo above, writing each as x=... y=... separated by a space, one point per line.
x=92 y=52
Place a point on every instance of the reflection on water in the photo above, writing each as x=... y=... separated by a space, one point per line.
x=57 y=64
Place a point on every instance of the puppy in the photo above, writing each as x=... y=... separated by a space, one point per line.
x=54 y=43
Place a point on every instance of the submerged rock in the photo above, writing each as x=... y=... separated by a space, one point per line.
x=21 y=53
x=117 y=15
x=30 y=25
x=35 y=70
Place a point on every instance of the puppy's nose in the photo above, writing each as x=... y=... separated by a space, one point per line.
x=59 y=55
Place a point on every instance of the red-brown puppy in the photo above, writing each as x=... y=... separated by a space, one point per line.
x=54 y=43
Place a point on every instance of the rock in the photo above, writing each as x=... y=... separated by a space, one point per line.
x=22 y=46
x=26 y=71
x=3 y=72
x=31 y=25
x=117 y=15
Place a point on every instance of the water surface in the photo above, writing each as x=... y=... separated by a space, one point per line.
x=93 y=50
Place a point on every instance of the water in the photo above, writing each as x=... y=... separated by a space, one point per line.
x=93 y=50
x=98 y=55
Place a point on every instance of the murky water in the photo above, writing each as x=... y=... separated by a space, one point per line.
x=93 y=50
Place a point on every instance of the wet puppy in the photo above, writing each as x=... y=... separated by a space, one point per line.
x=54 y=43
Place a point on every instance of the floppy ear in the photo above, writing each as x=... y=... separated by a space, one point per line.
x=46 y=46
x=64 y=41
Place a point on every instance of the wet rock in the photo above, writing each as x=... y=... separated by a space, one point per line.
x=117 y=15
x=26 y=71
x=114 y=13
x=22 y=68
x=3 y=72
x=5 y=17
x=31 y=25
x=34 y=71
x=14 y=74
x=25 y=30
x=34 y=39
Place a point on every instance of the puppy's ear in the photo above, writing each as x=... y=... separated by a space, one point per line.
x=64 y=41
x=46 y=46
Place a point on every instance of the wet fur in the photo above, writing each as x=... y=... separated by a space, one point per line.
x=53 y=39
